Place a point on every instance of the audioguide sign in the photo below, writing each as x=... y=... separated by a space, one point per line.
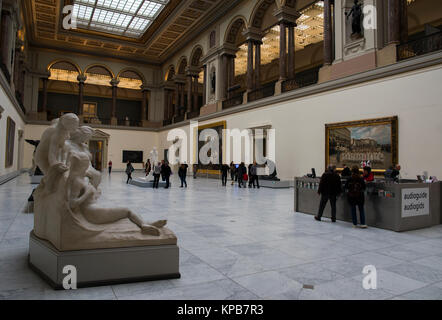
x=415 y=202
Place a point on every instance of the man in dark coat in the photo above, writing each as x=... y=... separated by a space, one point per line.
x=166 y=171
x=329 y=188
x=224 y=170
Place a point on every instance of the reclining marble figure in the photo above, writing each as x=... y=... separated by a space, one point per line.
x=65 y=210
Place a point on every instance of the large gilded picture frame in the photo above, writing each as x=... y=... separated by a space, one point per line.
x=352 y=143
x=219 y=127
x=10 y=141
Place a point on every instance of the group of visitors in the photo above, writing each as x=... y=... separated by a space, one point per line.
x=241 y=174
x=330 y=187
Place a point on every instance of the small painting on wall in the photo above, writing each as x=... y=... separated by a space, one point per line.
x=10 y=139
x=372 y=142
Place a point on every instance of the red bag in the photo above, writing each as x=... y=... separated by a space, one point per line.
x=245 y=177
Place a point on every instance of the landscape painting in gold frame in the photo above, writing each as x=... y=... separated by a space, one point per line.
x=352 y=143
x=210 y=168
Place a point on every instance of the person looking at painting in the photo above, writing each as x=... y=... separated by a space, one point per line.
x=224 y=171
x=395 y=174
x=232 y=172
x=110 y=167
x=355 y=195
x=346 y=172
x=368 y=175
x=329 y=188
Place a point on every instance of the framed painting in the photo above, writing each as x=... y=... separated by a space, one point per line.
x=372 y=142
x=210 y=168
x=10 y=140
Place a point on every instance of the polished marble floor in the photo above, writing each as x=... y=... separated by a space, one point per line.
x=238 y=244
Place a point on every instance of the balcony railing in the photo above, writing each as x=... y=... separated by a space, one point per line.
x=266 y=90
x=420 y=46
x=302 y=79
x=233 y=101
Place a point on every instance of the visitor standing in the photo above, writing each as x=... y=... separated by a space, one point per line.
x=346 y=172
x=182 y=173
x=156 y=175
x=254 y=175
x=356 y=186
x=224 y=170
x=148 y=167
x=368 y=175
x=195 y=170
x=241 y=174
x=232 y=172
x=166 y=171
x=163 y=164
x=249 y=171
x=329 y=188
x=129 y=170
x=110 y=167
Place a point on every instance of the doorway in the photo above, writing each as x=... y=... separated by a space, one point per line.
x=96 y=149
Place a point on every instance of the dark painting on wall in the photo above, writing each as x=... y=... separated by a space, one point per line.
x=211 y=168
x=132 y=156
x=10 y=139
x=373 y=142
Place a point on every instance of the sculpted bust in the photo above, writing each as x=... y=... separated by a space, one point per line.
x=66 y=213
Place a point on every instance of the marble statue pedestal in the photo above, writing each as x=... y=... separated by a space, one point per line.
x=147 y=183
x=36 y=179
x=283 y=184
x=104 y=266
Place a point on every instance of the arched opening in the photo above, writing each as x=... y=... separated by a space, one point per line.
x=287 y=47
x=195 y=84
x=58 y=94
x=420 y=27
x=237 y=64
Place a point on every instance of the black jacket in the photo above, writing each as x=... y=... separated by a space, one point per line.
x=166 y=170
x=330 y=184
x=355 y=187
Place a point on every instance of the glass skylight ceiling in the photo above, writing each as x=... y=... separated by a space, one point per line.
x=129 y=18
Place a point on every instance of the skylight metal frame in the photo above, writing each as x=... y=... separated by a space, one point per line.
x=134 y=16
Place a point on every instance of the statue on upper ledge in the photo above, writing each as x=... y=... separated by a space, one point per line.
x=357 y=16
x=65 y=207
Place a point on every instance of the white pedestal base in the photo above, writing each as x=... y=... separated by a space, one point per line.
x=283 y=184
x=104 y=266
x=147 y=183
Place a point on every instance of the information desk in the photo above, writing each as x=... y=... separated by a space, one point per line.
x=407 y=205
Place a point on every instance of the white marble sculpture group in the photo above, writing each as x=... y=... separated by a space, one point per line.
x=65 y=209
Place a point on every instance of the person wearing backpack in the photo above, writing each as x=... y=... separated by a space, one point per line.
x=355 y=195
x=129 y=170
x=330 y=187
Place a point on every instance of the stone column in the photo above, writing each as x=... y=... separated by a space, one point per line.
x=81 y=79
x=166 y=105
x=328 y=38
x=144 y=110
x=182 y=95
x=291 y=51
x=44 y=103
x=394 y=31
x=6 y=43
x=257 y=64
x=195 y=93
x=177 y=99
x=114 y=83
x=250 y=65
x=224 y=76
x=189 y=92
x=232 y=71
x=282 y=52
x=205 y=86
x=404 y=21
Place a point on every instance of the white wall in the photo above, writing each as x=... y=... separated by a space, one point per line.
x=300 y=124
x=9 y=111
x=119 y=140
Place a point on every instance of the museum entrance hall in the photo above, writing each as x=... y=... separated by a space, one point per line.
x=220 y=150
